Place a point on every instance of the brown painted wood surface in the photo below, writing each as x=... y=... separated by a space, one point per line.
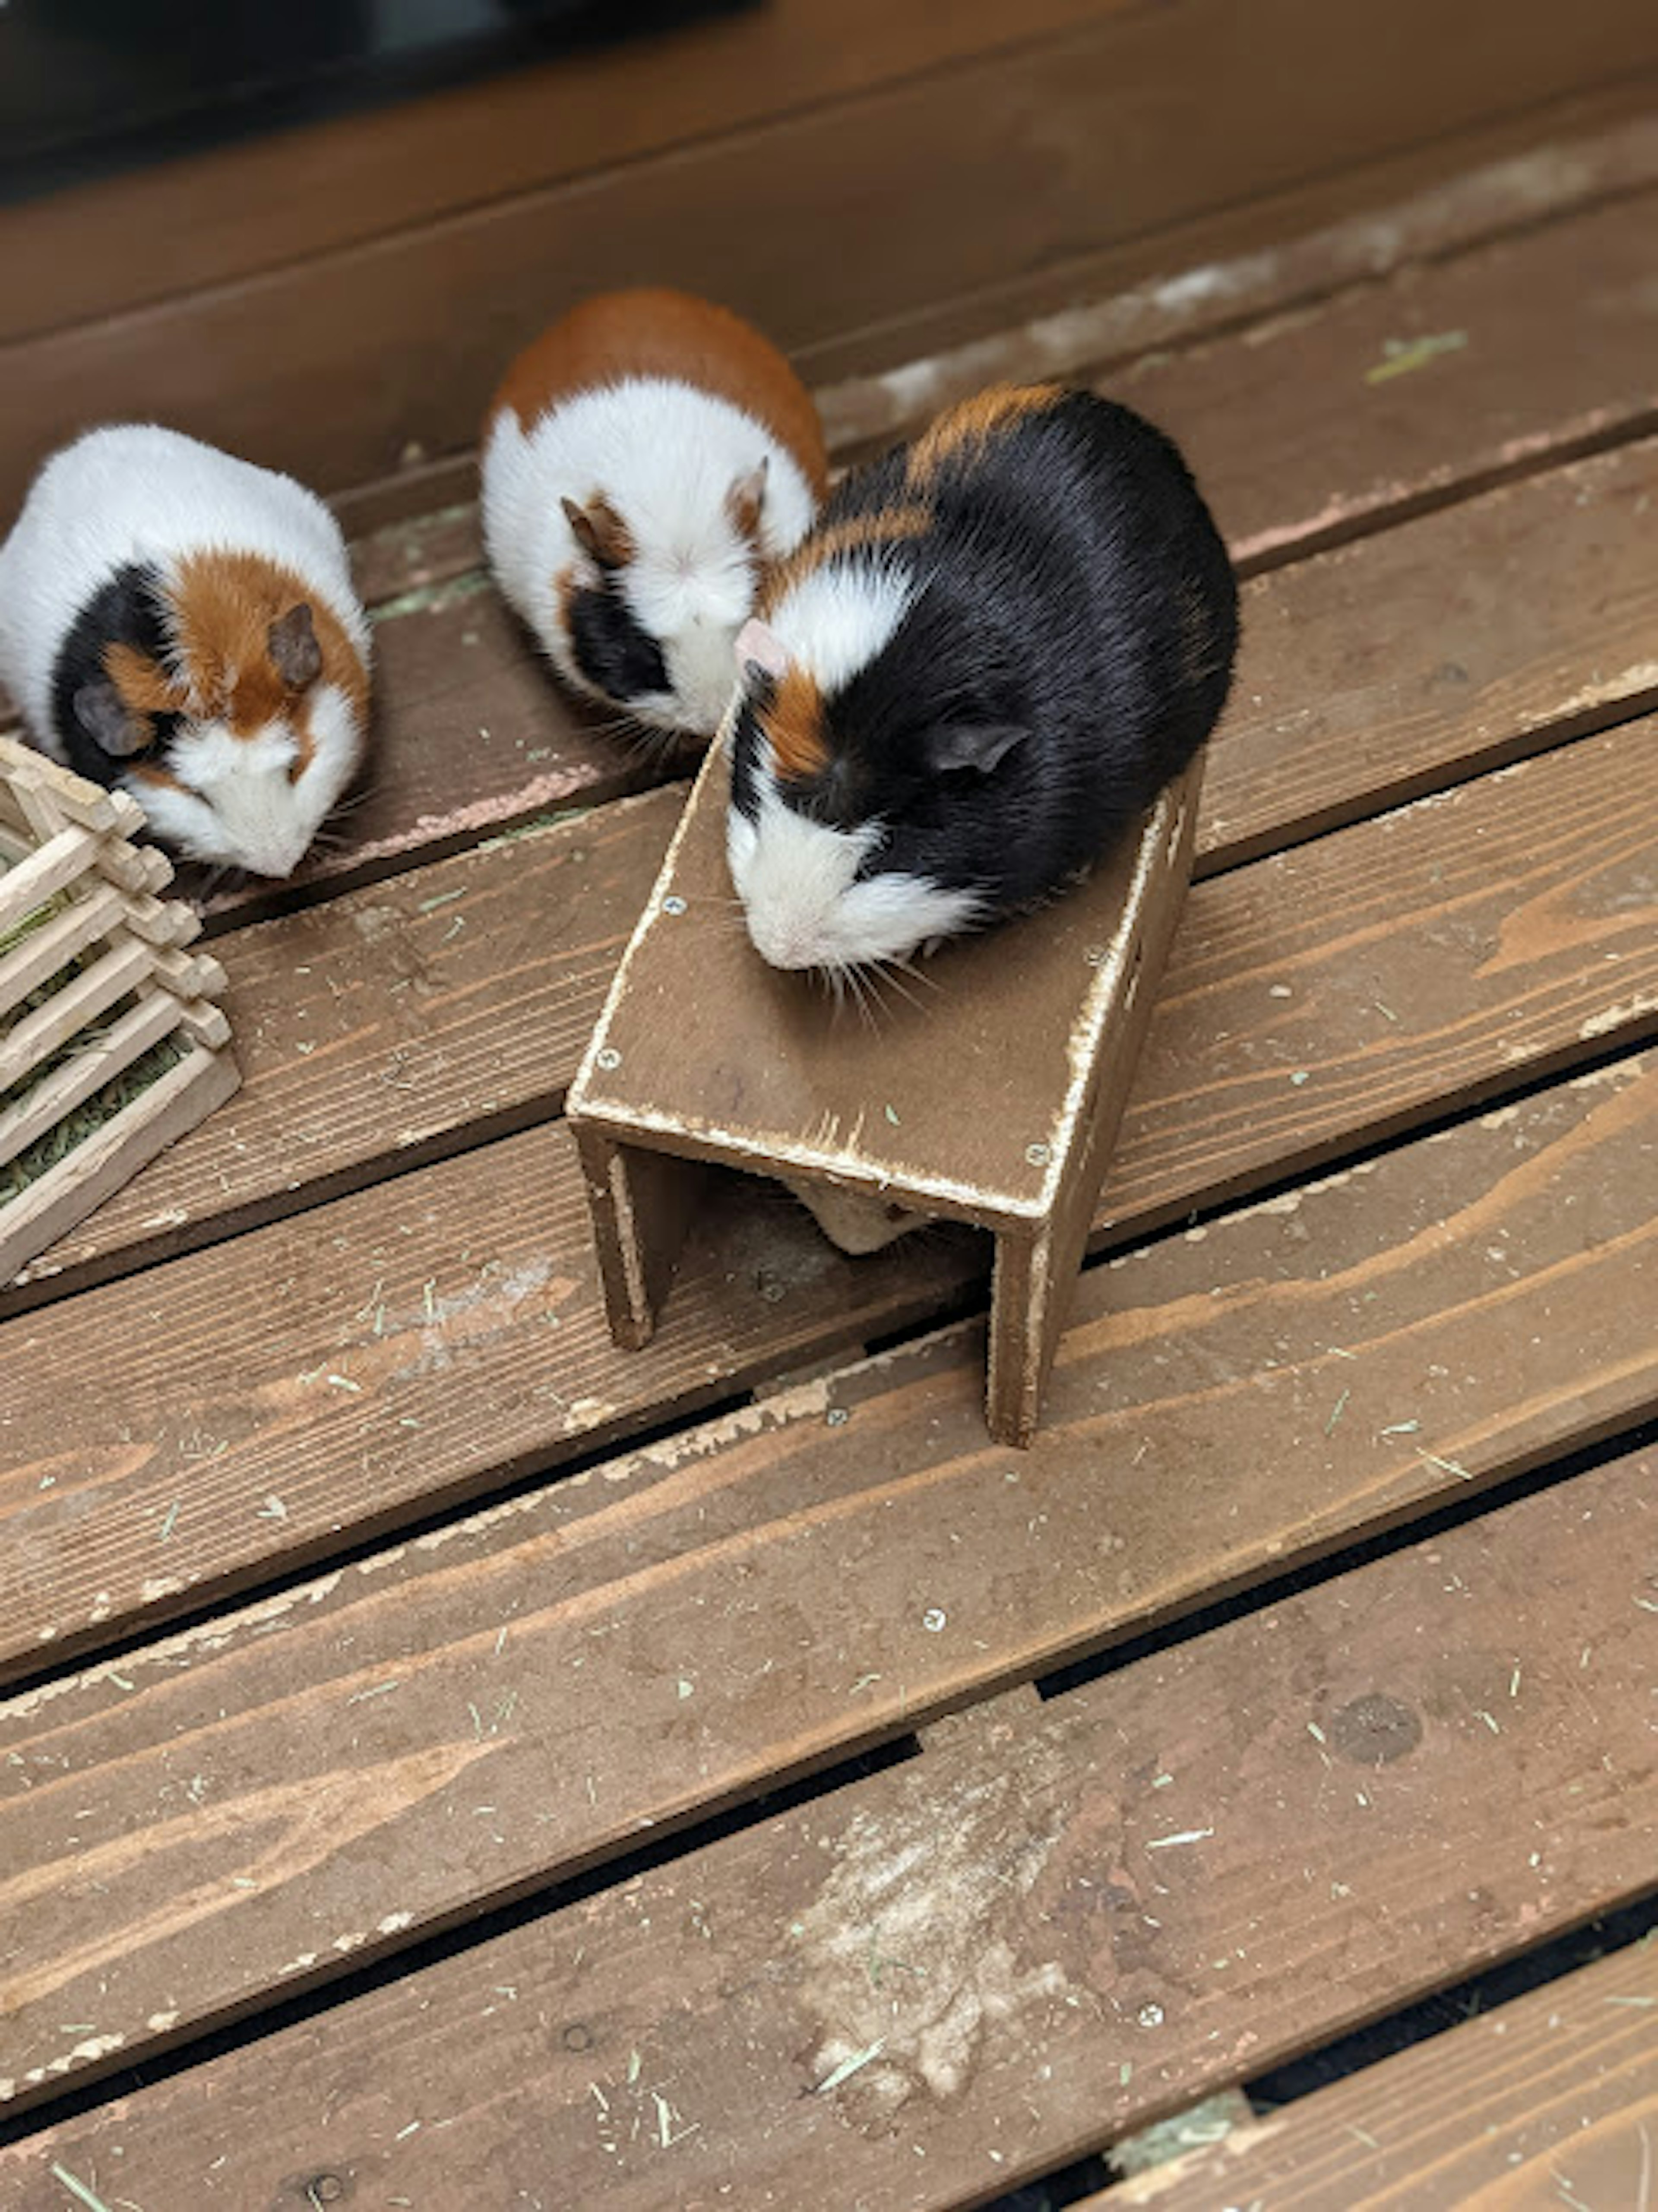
x=1551 y=2096
x=279 y=199
x=1045 y=1930
x=1430 y=957
x=657 y=1636
x=1449 y=644
x=1020 y=161
x=778 y=1081
x=1314 y=252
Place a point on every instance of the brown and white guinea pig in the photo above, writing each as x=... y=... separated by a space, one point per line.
x=642 y=461
x=994 y=647
x=182 y=624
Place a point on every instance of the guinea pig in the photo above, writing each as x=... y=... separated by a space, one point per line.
x=642 y=461
x=182 y=624
x=995 y=647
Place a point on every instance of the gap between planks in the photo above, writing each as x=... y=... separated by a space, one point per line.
x=1551 y=2098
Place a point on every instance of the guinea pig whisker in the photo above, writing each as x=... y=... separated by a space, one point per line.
x=863 y=990
x=895 y=985
x=915 y=975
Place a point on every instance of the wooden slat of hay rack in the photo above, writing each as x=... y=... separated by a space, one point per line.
x=66 y=844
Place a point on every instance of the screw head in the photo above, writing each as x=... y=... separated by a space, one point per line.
x=673 y=903
x=1038 y=1155
x=607 y=1057
x=934 y=1618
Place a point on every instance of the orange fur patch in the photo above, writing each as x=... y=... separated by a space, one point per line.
x=794 y=723
x=224 y=604
x=601 y=532
x=144 y=772
x=145 y=687
x=972 y=422
x=655 y=331
x=886 y=526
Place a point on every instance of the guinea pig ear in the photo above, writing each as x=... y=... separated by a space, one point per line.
x=745 y=500
x=109 y=721
x=981 y=746
x=761 y=649
x=600 y=531
x=291 y=641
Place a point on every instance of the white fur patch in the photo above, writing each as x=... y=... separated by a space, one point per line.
x=241 y=808
x=839 y=618
x=804 y=903
x=666 y=457
x=135 y=492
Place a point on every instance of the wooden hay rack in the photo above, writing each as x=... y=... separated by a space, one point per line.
x=95 y=988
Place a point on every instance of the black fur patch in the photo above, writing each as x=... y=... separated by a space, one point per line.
x=1075 y=588
x=126 y=610
x=611 y=649
x=745 y=754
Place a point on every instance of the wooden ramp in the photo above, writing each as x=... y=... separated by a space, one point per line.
x=451 y=1762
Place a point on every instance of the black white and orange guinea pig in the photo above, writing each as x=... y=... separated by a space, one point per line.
x=643 y=460
x=182 y=624
x=995 y=647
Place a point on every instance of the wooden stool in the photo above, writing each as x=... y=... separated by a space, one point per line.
x=990 y=1094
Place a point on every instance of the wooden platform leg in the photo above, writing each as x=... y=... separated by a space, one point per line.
x=641 y=1204
x=1036 y=1271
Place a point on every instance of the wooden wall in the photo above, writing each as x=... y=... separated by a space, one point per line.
x=866 y=177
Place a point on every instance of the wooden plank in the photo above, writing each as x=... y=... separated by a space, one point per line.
x=1037 y=1934
x=1448 y=645
x=673 y=1629
x=418 y=550
x=1420 y=963
x=1067 y=154
x=1550 y=2098
x=1279 y=970
x=281 y=197
x=1224 y=282
x=1349 y=690
x=1545 y=346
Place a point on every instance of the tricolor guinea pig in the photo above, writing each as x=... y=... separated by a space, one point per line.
x=642 y=461
x=994 y=647
x=183 y=624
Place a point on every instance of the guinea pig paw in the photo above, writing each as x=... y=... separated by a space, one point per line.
x=930 y=945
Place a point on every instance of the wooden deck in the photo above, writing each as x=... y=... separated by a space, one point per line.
x=452 y=1762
